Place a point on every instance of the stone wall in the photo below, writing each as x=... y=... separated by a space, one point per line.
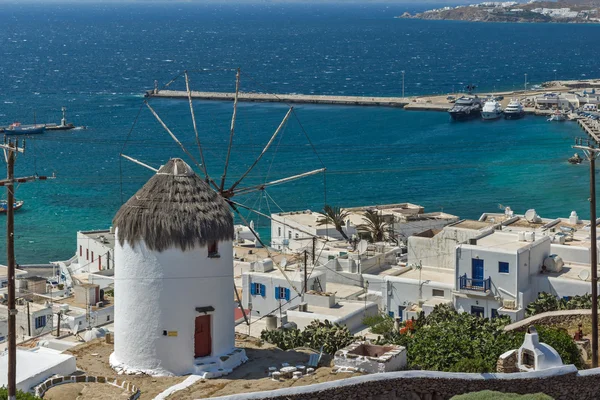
x=564 y=383
x=555 y=319
x=42 y=388
x=507 y=363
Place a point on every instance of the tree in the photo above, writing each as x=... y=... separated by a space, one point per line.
x=334 y=216
x=375 y=226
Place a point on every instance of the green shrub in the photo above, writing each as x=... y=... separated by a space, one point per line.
x=331 y=336
x=379 y=324
x=20 y=395
x=489 y=395
x=548 y=302
x=477 y=365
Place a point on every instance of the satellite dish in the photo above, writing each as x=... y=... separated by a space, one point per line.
x=362 y=246
x=584 y=274
x=531 y=215
x=284 y=262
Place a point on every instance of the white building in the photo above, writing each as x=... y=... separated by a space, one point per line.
x=496 y=265
x=95 y=250
x=267 y=291
x=35 y=366
x=494 y=274
x=174 y=310
x=293 y=231
x=32 y=319
x=417 y=290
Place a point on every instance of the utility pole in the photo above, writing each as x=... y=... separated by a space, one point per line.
x=591 y=153
x=11 y=149
x=305 y=271
x=525 y=82
x=28 y=321
x=314 y=251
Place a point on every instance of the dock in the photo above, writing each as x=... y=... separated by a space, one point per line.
x=398 y=102
x=433 y=102
x=591 y=127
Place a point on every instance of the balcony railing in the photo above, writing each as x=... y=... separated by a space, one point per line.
x=477 y=285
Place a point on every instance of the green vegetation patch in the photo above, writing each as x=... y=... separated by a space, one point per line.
x=489 y=395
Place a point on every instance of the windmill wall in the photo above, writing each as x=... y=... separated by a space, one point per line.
x=156 y=299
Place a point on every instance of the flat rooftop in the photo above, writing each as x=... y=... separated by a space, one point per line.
x=502 y=240
x=439 y=275
x=573 y=271
x=105 y=237
x=294 y=275
x=341 y=309
x=472 y=224
x=4 y=271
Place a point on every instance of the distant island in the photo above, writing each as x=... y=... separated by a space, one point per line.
x=566 y=11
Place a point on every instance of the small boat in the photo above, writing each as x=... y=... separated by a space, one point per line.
x=4 y=205
x=491 y=110
x=575 y=159
x=466 y=108
x=558 y=116
x=514 y=110
x=17 y=129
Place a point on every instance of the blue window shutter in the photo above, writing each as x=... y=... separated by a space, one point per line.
x=263 y=290
x=252 y=289
x=287 y=294
x=277 y=292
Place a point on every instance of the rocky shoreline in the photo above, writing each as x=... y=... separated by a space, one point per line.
x=538 y=12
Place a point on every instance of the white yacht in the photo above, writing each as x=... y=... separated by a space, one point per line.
x=558 y=116
x=491 y=110
x=514 y=110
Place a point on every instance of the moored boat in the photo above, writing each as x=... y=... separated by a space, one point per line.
x=466 y=108
x=4 y=205
x=514 y=110
x=17 y=129
x=557 y=116
x=491 y=110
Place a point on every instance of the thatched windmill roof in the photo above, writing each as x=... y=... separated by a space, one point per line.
x=175 y=208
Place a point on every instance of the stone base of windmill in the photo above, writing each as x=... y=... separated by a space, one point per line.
x=205 y=367
x=214 y=367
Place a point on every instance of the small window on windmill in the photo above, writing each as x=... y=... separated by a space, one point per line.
x=213 y=249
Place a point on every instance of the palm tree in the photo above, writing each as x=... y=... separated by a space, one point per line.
x=375 y=226
x=336 y=217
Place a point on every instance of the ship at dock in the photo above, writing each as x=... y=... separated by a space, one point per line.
x=466 y=108
x=514 y=110
x=491 y=110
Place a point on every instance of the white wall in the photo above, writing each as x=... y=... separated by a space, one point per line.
x=77 y=318
x=352 y=320
x=402 y=292
x=3 y=330
x=439 y=251
x=92 y=255
x=157 y=292
x=464 y=304
x=264 y=305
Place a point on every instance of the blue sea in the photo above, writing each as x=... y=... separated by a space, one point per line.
x=98 y=59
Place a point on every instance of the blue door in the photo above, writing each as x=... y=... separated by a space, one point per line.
x=477 y=272
x=400 y=312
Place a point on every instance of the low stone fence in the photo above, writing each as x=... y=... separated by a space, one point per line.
x=561 y=318
x=42 y=388
x=563 y=383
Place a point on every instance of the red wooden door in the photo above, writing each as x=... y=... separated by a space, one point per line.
x=202 y=342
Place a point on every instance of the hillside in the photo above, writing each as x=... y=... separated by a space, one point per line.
x=565 y=11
